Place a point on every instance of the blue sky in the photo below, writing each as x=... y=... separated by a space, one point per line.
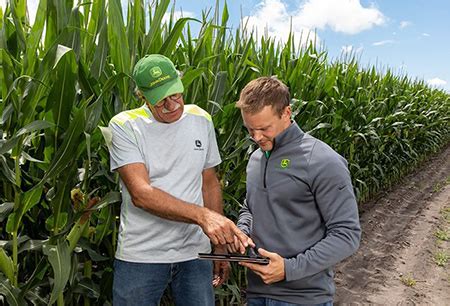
x=410 y=37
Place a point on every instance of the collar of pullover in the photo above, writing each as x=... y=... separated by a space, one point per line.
x=292 y=133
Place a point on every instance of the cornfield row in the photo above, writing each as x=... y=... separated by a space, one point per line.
x=64 y=77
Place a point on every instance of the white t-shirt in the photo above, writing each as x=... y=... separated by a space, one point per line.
x=175 y=155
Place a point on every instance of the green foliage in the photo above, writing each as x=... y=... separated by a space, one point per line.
x=443 y=235
x=408 y=280
x=65 y=76
x=445 y=212
x=441 y=258
x=59 y=257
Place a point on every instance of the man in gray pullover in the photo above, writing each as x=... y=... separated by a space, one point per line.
x=300 y=209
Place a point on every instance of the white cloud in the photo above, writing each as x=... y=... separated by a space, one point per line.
x=383 y=42
x=426 y=34
x=3 y=4
x=405 y=24
x=346 y=16
x=271 y=18
x=177 y=15
x=437 y=82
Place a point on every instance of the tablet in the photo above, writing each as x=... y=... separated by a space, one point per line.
x=235 y=257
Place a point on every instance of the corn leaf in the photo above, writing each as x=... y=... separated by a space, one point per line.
x=59 y=258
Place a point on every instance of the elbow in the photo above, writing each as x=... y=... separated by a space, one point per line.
x=349 y=239
x=355 y=240
x=139 y=197
x=351 y=234
x=137 y=201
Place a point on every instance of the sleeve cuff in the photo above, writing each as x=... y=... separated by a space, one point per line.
x=289 y=268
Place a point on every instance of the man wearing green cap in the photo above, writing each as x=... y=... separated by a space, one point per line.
x=165 y=153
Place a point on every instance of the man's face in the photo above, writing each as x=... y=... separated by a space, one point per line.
x=168 y=110
x=265 y=125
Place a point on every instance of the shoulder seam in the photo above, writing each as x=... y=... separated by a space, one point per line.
x=195 y=110
x=128 y=115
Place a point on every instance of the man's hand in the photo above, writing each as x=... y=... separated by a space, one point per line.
x=271 y=273
x=221 y=272
x=238 y=247
x=222 y=231
x=221 y=268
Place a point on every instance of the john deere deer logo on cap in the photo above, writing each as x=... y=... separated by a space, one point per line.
x=285 y=163
x=155 y=72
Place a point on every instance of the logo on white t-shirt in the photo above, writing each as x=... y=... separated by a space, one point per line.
x=198 y=145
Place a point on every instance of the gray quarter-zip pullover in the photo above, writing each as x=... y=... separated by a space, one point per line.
x=300 y=204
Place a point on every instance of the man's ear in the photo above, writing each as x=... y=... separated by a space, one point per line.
x=287 y=112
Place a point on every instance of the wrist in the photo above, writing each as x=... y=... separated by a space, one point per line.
x=200 y=216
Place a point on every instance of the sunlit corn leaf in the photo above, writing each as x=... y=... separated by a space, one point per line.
x=59 y=257
x=28 y=200
x=6 y=265
x=65 y=152
x=62 y=93
x=5 y=210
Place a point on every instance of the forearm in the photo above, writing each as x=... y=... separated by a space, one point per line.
x=164 y=205
x=212 y=197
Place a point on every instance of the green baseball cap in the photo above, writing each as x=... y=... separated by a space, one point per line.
x=156 y=77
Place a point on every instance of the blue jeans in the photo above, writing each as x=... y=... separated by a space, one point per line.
x=144 y=284
x=272 y=302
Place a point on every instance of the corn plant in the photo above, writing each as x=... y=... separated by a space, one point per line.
x=66 y=75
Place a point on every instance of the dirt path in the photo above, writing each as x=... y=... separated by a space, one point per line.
x=398 y=244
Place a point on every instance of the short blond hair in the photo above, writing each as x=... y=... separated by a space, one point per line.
x=264 y=91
